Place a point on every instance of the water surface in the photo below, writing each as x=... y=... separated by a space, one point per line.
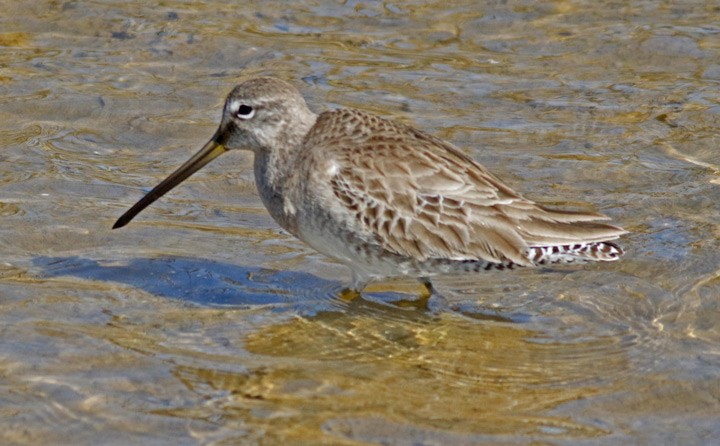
x=203 y=323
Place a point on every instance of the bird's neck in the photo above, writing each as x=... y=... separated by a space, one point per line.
x=273 y=165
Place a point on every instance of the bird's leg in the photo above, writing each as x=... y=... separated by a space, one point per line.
x=423 y=299
x=430 y=298
x=429 y=289
x=349 y=294
x=427 y=292
x=358 y=284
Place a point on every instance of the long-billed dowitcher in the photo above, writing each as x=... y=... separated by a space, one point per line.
x=384 y=198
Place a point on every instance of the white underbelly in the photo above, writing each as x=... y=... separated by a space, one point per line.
x=365 y=258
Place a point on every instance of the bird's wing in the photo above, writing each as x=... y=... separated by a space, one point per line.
x=422 y=197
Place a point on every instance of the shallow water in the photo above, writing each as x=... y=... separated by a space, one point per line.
x=203 y=323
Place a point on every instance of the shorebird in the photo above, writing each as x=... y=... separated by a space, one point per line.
x=385 y=198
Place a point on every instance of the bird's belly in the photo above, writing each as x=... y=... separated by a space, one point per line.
x=356 y=250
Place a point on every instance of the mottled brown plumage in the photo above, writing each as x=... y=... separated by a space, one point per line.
x=385 y=198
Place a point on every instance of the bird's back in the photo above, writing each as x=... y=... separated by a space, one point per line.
x=420 y=198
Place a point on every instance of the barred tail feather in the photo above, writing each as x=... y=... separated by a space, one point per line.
x=538 y=255
x=578 y=252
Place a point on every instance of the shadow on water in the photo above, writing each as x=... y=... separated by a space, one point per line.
x=223 y=285
x=197 y=281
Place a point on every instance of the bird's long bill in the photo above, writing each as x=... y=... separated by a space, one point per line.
x=214 y=148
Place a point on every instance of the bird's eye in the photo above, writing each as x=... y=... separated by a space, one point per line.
x=245 y=112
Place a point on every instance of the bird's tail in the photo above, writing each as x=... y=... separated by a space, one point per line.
x=575 y=253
